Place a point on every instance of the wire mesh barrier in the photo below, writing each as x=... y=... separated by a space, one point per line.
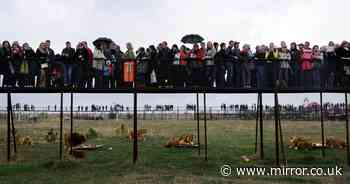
x=29 y=131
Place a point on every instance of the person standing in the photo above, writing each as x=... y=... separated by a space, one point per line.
x=317 y=57
x=330 y=65
x=285 y=58
x=245 y=60
x=141 y=66
x=174 y=67
x=117 y=65
x=259 y=63
x=17 y=60
x=33 y=65
x=42 y=55
x=83 y=66
x=68 y=54
x=236 y=53
x=5 y=63
x=196 y=65
x=210 y=64
x=271 y=66
x=295 y=65
x=343 y=67
x=220 y=66
x=129 y=66
x=154 y=67
x=165 y=60
x=306 y=65
x=89 y=74
x=98 y=62
x=229 y=64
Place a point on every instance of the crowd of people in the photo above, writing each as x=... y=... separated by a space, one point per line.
x=207 y=64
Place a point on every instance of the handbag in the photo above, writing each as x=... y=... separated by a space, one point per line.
x=153 y=77
x=24 y=68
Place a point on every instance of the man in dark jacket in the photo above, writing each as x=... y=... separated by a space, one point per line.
x=164 y=57
x=236 y=54
x=229 y=65
x=117 y=56
x=82 y=66
x=68 y=54
x=219 y=59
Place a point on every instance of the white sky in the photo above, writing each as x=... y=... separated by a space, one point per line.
x=149 y=22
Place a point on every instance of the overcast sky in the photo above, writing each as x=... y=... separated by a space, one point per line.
x=149 y=22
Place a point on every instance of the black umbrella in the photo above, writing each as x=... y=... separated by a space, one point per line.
x=102 y=40
x=192 y=38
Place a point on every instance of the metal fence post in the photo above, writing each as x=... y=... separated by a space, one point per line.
x=261 y=127
x=61 y=128
x=205 y=127
x=8 y=128
x=71 y=120
x=135 y=146
x=347 y=129
x=276 y=129
x=322 y=124
x=198 y=132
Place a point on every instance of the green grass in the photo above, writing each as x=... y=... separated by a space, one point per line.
x=227 y=142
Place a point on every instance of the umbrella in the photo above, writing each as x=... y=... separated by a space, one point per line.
x=192 y=38
x=102 y=40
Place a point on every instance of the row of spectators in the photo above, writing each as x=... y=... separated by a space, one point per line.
x=206 y=64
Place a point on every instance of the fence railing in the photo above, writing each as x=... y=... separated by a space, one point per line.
x=135 y=113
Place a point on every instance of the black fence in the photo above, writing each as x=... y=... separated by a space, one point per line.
x=277 y=114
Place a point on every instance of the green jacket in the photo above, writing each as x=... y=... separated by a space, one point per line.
x=129 y=55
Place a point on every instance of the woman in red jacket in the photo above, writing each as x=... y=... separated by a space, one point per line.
x=307 y=65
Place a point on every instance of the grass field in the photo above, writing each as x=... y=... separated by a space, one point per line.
x=227 y=142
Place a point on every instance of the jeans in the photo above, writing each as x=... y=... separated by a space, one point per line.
x=68 y=70
x=316 y=77
x=210 y=74
x=284 y=76
x=307 y=79
x=246 y=77
x=220 y=76
x=230 y=73
x=260 y=76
